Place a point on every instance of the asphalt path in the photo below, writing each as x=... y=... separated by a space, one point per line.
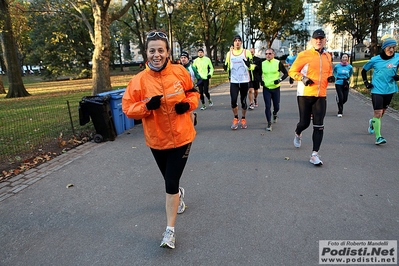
x=253 y=198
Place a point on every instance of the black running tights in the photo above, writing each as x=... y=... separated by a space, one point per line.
x=307 y=106
x=171 y=162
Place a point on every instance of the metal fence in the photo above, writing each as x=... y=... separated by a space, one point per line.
x=33 y=126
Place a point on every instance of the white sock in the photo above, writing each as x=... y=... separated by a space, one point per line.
x=171 y=228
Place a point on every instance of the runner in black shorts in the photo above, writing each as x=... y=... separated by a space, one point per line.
x=256 y=78
x=383 y=84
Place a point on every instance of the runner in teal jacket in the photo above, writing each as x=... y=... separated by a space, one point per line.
x=342 y=73
x=383 y=84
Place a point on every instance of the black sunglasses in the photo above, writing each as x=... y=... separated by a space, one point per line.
x=268 y=53
x=157 y=33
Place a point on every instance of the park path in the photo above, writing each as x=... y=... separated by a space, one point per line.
x=253 y=199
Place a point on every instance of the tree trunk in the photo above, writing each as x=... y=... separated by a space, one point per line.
x=102 y=42
x=101 y=55
x=375 y=23
x=2 y=89
x=16 y=87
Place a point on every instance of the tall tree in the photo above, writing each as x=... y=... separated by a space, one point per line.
x=100 y=35
x=252 y=22
x=277 y=17
x=217 y=19
x=101 y=54
x=143 y=16
x=359 y=18
x=184 y=29
x=2 y=89
x=16 y=86
x=60 y=42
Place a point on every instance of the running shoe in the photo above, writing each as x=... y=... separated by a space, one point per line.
x=182 y=206
x=251 y=106
x=275 y=117
x=256 y=103
x=371 y=127
x=339 y=115
x=234 y=125
x=314 y=159
x=168 y=240
x=210 y=103
x=195 y=119
x=203 y=107
x=297 y=140
x=380 y=140
x=269 y=127
x=244 y=123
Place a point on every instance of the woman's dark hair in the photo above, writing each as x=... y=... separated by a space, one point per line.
x=157 y=35
x=344 y=54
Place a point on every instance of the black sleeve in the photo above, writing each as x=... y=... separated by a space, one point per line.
x=364 y=74
x=282 y=69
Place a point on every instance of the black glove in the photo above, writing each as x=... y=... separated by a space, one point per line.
x=247 y=63
x=225 y=67
x=262 y=83
x=396 y=77
x=181 y=108
x=368 y=84
x=154 y=103
x=209 y=76
x=277 y=81
x=331 y=79
x=307 y=81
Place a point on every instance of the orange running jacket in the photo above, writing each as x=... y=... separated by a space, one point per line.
x=163 y=127
x=315 y=66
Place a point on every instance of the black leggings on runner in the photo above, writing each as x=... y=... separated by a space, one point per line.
x=241 y=88
x=171 y=162
x=307 y=106
x=342 y=97
x=204 y=89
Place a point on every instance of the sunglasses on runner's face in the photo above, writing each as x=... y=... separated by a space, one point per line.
x=269 y=53
x=155 y=33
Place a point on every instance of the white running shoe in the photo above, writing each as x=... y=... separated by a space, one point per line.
x=297 y=140
x=269 y=127
x=168 y=240
x=314 y=159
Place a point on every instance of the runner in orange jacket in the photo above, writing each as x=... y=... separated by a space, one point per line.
x=313 y=69
x=162 y=96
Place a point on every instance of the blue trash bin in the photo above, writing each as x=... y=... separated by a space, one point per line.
x=122 y=123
